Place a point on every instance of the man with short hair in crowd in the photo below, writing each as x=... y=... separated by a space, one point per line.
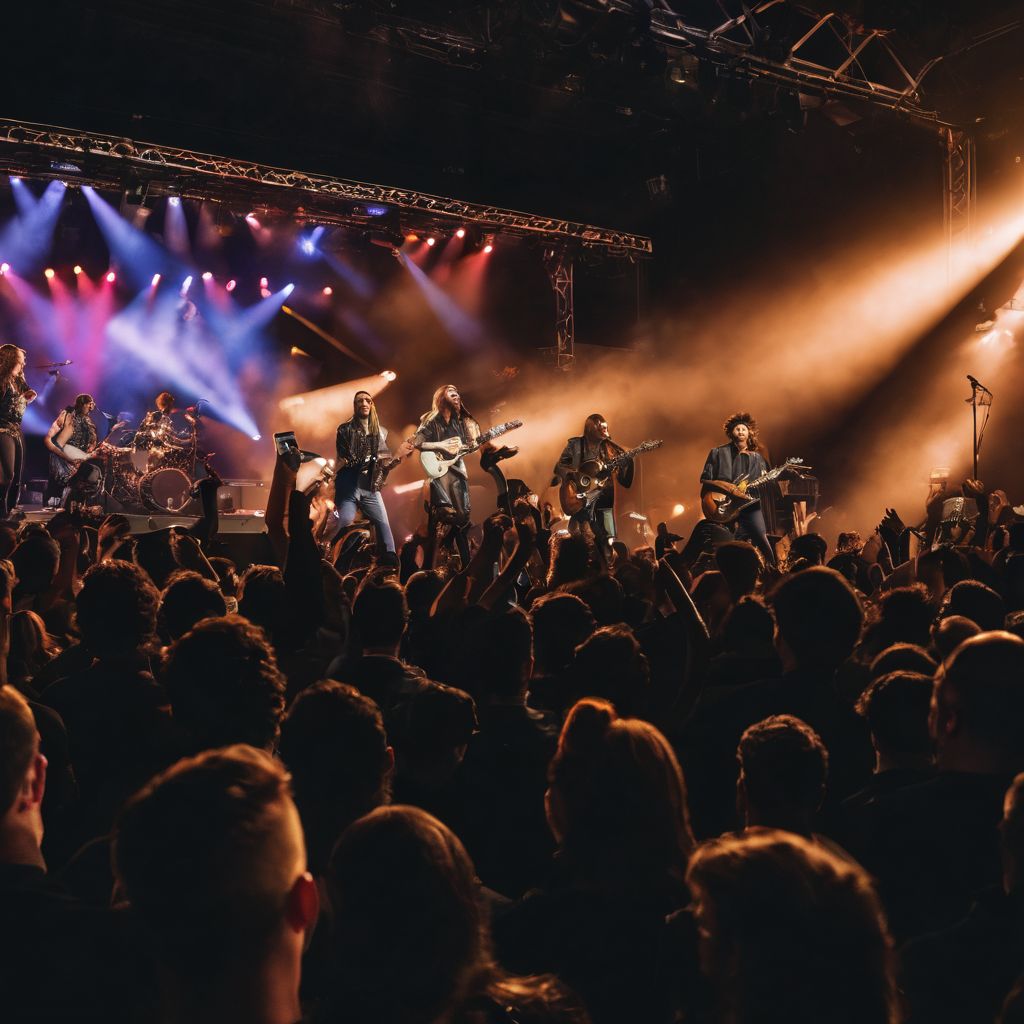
x=334 y=744
x=225 y=686
x=504 y=774
x=211 y=858
x=380 y=615
x=818 y=622
x=783 y=775
x=59 y=960
x=933 y=845
x=964 y=972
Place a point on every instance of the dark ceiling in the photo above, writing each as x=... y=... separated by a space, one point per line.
x=569 y=108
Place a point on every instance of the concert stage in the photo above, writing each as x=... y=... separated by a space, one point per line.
x=241 y=521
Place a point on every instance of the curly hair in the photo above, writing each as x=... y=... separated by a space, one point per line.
x=117 y=609
x=743 y=417
x=224 y=684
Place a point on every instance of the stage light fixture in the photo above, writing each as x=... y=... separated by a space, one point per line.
x=111 y=277
x=257 y=437
x=431 y=241
x=78 y=270
x=186 y=284
x=389 y=375
x=264 y=283
x=328 y=290
x=412 y=237
x=230 y=286
x=461 y=233
x=4 y=267
x=156 y=280
x=50 y=273
x=173 y=201
x=207 y=275
x=678 y=509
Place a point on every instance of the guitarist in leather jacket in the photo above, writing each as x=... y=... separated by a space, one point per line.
x=361 y=443
x=594 y=444
x=737 y=460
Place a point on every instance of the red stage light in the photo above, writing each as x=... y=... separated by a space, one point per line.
x=488 y=248
x=230 y=286
x=328 y=290
x=461 y=233
x=264 y=283
x=78 y=270
x=50 y=273
x=207 y=275
x=111 y=277
x=4 y=267
x=156 y=280
x=431 y=241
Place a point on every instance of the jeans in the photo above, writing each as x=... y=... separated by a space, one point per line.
x=349 y=497
x=12 y=454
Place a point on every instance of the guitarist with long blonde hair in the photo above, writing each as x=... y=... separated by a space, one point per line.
x=449 y=427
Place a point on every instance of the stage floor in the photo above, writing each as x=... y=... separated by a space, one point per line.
x=239 y=521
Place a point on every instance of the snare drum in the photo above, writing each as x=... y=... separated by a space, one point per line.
x=166 y=489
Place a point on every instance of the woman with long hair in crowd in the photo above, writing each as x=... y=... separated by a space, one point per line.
x=15 y=395
x=411 y=942
x=616 y=806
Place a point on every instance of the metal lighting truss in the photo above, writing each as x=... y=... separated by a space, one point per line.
x=960 y=191
x=108 y=161
x=558 y=264
x=737 y=42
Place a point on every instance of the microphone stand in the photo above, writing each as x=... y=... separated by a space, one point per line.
x=979 y=396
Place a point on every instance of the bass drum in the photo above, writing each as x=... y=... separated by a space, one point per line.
x=122 y=477
x=166 y=490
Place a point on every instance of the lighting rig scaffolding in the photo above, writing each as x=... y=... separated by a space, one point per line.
x=827 y=56
x=111 y=162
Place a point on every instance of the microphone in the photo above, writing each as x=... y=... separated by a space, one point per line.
x=107 y=416
x=52 y=366
x=975 y=383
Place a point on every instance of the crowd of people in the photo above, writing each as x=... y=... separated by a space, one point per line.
x=539 y=786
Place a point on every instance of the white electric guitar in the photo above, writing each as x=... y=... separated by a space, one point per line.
x=437 y=462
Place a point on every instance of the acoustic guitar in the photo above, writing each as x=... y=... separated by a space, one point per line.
x=724 y=502
x=437 y=462
x=582 y=487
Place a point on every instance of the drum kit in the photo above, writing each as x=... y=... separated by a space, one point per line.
x=155 y=469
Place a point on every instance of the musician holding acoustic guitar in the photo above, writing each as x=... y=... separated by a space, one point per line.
x=586 y=471
x=728 y=470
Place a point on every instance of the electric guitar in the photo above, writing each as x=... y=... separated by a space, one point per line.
x=581 y=488
x=437 y=462
x=724 y=502
x=382 y=470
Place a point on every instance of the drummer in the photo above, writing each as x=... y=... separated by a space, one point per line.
x=74 y=428
x=156 y=427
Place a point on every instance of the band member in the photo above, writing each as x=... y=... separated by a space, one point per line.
x=447 y=427
x=15 y=395
x=72 y=427
x=156 y=426
x=737 y=460
x=595 y=445
x=362 y=442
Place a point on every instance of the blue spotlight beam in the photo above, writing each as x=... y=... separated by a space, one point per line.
x=137 y=256
x=27 y=240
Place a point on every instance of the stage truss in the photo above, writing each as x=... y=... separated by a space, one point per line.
x=110 y=162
